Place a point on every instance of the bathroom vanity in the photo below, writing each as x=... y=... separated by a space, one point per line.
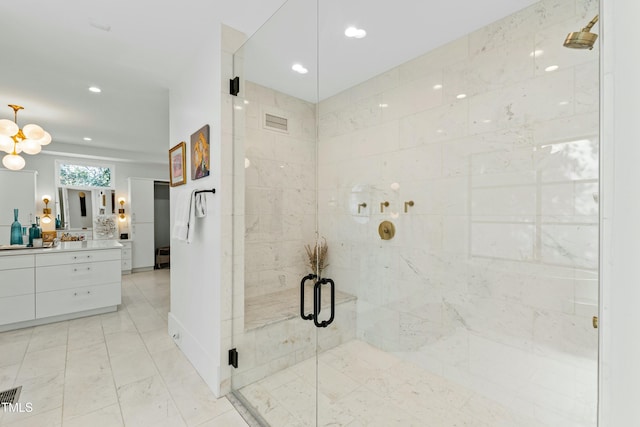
x=45 y=285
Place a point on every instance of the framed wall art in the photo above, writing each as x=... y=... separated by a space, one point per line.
x=200 y=150
x=178 y=164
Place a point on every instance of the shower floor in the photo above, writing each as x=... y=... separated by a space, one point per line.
x=360 y=385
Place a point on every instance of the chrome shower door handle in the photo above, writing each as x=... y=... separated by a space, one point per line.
x=317 y=302
x=304 y=279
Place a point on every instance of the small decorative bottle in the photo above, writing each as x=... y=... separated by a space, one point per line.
x=33 y=234
x=16 y=230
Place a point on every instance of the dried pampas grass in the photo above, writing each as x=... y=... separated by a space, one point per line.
x=317 y=255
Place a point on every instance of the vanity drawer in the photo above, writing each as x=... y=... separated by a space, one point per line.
x=10 y=262
x=53 y=278
x=126 y=264
x=17 y=282
x=17 y=309
x=77 y=299
x=77 y=257
x=126 y=253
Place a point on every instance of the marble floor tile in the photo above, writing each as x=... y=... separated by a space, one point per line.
x=51 y=418
x=123 y=343
x=43 y=362
x=109 y=416
x=196 y=402
x=147 y=402
x=100 y=371
x=132 y=367
x=172 y=365
x=43 y=392
x=158 y=340
x=48 y=336
x=93 y=392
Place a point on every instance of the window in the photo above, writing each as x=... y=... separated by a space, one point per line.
x=85 y=175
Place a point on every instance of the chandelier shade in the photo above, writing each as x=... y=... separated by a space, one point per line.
x=14 y=140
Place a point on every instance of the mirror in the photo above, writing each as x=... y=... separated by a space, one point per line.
x=78 y=209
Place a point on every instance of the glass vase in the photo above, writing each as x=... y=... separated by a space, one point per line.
x=16 y=230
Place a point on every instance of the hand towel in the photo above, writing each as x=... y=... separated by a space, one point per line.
x=201 y=205
x=182 y=214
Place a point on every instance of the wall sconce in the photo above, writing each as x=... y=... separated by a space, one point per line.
x=46 y=218
x=121 y=210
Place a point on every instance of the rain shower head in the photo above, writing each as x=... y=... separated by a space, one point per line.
x=583 y=39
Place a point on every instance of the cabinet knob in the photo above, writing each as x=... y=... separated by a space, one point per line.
x=75 y=294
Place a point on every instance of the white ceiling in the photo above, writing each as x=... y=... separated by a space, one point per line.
x=53 y=51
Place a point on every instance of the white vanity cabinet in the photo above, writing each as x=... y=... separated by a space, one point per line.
x=77 y=281
x=126 y=256
x=17 y=289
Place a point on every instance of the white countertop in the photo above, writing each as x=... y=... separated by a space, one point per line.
x=64 y=247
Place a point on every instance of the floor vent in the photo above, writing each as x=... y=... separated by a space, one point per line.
x=10 y=396
x=276 y=123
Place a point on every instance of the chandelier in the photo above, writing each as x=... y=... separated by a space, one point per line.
x=14 y=140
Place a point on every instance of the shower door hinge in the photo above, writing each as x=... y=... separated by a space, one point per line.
x=233 y=358
x=234 y=86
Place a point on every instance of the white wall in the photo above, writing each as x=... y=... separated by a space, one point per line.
x=620 y=217
x=196 y=274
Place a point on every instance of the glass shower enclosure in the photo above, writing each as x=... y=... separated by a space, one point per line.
x=418 y=243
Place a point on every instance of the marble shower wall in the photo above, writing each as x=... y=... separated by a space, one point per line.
x=280 y=190
x=499 y=153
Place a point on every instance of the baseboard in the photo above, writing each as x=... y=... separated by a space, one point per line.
x=204 y=363
x=60 y=318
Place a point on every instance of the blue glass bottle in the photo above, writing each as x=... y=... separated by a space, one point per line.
x=16 y=230
x=34 y=233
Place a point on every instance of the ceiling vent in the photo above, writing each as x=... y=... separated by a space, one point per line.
x=274 y=122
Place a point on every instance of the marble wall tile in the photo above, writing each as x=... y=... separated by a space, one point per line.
x=490 y=69
x=540 y=15
x=498 y=256
x=575 y=245
x=442 y=123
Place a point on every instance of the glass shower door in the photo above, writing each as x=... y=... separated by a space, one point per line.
x=275 y=148
x=455 y=197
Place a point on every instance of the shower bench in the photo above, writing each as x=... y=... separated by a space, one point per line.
x=277 y=337
x=284 y=305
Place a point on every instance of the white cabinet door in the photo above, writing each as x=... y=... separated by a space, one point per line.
x=141 y=200
x=143 y=248
x=17 y=190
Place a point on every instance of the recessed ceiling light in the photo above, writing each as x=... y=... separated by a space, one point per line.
x=383 y=105
x=95 y=89
x=461 y=96
x=246 y=102
x=563 y=103
x=437 y=87
x=86 y=138
x=299 y=69
x=551 y=68
x=238 y=107
x=536 y=53
x=440 y=131
x=486 y=121
x=354 y=32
